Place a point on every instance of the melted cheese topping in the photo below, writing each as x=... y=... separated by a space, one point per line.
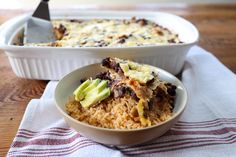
x=140 y=107
x=109 y=33
x=139 y=72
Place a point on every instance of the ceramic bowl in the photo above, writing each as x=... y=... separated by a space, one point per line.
x=70 y=82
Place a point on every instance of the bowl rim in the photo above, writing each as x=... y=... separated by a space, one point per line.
x=178 y=113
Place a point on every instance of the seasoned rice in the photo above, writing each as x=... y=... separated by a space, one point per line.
x=117 y=113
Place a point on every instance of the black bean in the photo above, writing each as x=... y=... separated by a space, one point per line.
x=145 y=114
x=134 y=96
x=110 y=83
x=126 y=22
x=55 y=44
x=142 y=22
x=124 y=36
x=149 y=82
x=171 y=91
x=172 y=100
x=129 y=90
x=121 y=41
x=144 y=37
x=171 y=41
x=103 y=75
x=173 y=86
x=82 y=80
x=100 y=43
x=72 y=20
x=106 y=62
x=115 y=66
x=160 y=33
x=62 y=28
x=151 y=104
x=112 y=94
x=159 y=96
x=169 y=85
x=120 y=71
x=75 y=20
x=121 y=91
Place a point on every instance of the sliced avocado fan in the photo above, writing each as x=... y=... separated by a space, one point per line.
x=91 y=92
x=79 y=92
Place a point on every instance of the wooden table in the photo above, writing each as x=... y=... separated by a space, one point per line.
x=216 y=24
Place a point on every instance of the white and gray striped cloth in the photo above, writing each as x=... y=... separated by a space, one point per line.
x=207 y=127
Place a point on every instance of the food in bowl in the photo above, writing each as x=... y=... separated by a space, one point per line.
x=109 y=33
x=127 y=95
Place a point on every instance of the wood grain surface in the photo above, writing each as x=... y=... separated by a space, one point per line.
x=216 y=24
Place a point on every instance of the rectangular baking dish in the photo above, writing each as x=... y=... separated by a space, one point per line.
x=52 y=63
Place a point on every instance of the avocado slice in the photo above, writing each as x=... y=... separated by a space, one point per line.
x=78 y=93
x=93 y=85
x=95 y=97
x=92 y=91
x=84 y=88
x=102 y=85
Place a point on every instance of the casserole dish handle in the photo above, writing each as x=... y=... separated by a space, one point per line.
x=7 y=29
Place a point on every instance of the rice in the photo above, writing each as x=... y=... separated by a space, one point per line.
x=118 y=113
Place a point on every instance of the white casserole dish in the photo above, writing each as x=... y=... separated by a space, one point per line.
x=52 y=63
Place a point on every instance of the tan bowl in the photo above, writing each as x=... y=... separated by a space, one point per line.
x=70 y=82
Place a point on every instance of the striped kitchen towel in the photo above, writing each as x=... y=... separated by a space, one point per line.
x=207 y=127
